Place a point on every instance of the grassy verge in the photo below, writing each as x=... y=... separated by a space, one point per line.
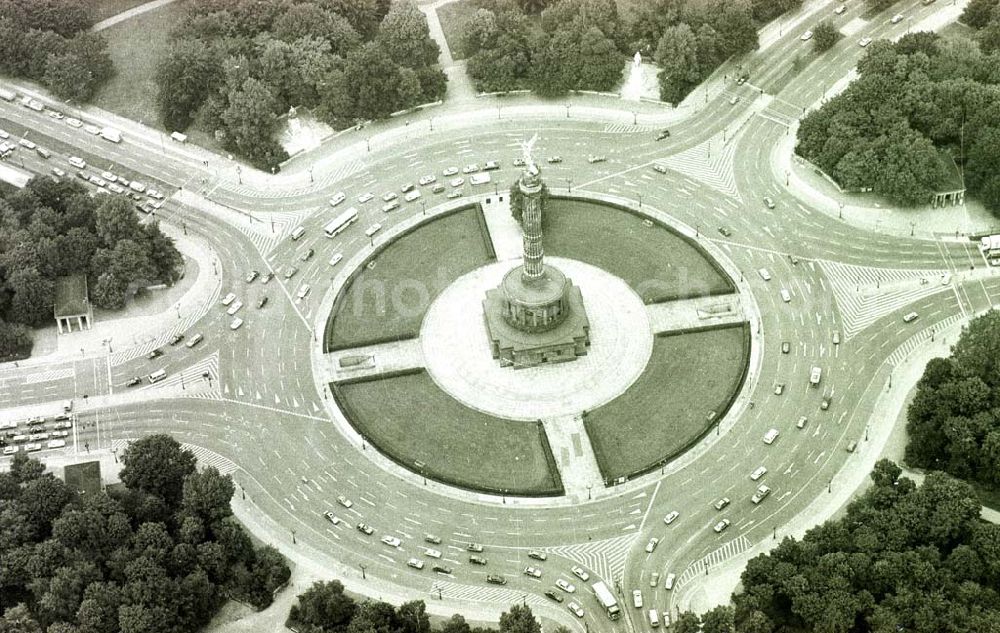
x=454 y=18
x=668 y=407
x=411 y=420
x=652 y=260
x=388 y=301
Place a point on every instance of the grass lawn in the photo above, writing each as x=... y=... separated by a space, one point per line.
x=136 y=45
x=388 y=302
x=453 y=17
x=653 y=261
x=667 y=408
x=412 y=421
x=104 y=9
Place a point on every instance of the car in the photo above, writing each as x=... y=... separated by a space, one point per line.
x=660 y=169
x=671 y=517
x=373 y=229
x=801 y=424
x=538 y=555
x=663 y=134
x=741 y=80
x=4 y=134
x=266 y=278
x=733 y=100
x=107 y=175
x=764 y=274
x=551 y=595
x=651 y=545
x=229 y=298
x=779 y=388
x=428 y=179
x=251 y=276
x=344 y=501
x=896 y=19
x=470 y=169
x=768 y=202
x=442 y=569
x=197 y=338
x=433 y=553
x=58 y=172
x=156 y=353
x=124 y=182
x=565 y=586
x=761 y=494
x=389 y=197
x=415 y=563
x=407 y=187
x=367 y=529
x=438 y=188
x=156 y=195
x=337 y=198
x=477 y=560
x=786 y=347
x=176 y=338
x=770 y=436
x=26 y=143
x=135 y=380
x=454 y=194
x=366 y=197
x=474 y=547
x=721 y=503
x=594 y=158
x=290 y=272
x=654 y=579
x=493 y=579
x=236 y=324
x=839 y=10
x=805 y=37
x=864 y=41
x=94 y=180
x=457 y=182
x=575 y=609
x=306 y=256
x=534 y=572
x=412 y=195
x=391 y=541
x=580 y=573
x=721 y=526
x=115 y=188
x=82 y=175
x=233 y=309
x=10 y=450
x=554 y=159
x=825 y=403
x=92 y=129
x=910 y=317
x=331 y=517
x=852 y=446
x=491 y=165
x=451 y=171
x=836 y=337
x=431 y=538
x=758 y=473
x=668 y=584
x=724 y=232
x=390 y=206
x=262 y=302
x=518 y=162
x=637 y=598
x=785 y=295
x=70 y=121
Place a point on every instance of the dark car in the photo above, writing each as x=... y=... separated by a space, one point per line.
x=554 y=159
x=177 y=338
x=137 y=380
x=262 y=302
x=442 y=569
x=156 y=353
x=367 y=529
x=724 y=231
x=266 y=278
x=786 y=347
x=553 y=595
x=662 y=135
x=537 y=555
x=496 y=580
x=290 y=272
x=253 y=274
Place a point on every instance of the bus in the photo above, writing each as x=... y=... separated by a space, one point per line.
x=607 y=600
x=341 y=222
x=990 y=247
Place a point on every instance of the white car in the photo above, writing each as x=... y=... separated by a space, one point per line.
x=806 y=36
x=372 y=230
x=4 y=134
x=391 y=541
x=721 y=526
x=74 y=122
x=336 y=259
x=757 y=474
x=865 y=41
x=764 y=274
x=651 y=545
x=235 y=325
x=668 y=584
x=839 y=10
x=580 y=573
x=303 y=291
x=534 y=572
x=451 y=171
x=433 y=553
x=229 y=298
x=331 y=517
x=575 y=609
x=896 y=19
x=470 y=169
x=26 y=143
x=637 y=598
x=785 y=295
x=233 y=309
x=390 y=196
x=428 y=179
x=107 y=175
x=670 y=518
x=55 y=114
x=415 y=563
x=457 y=182
x=761 y=494
x=801 y=424
x=337 y=198
x=95 y=180
x=77 y=162
x=365 y=197
x=565 y=586
x=654 y=579
x=92 y=129
x=770 y=436
x=344 y=501
x=116 y=188
x=412 y=195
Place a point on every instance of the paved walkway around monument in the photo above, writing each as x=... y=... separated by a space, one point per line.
x=685 y=314
x=505 y=232
x=382 y=358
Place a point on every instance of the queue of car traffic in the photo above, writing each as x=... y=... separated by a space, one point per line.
x=37 y=432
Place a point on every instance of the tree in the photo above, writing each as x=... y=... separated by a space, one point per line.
x=677 y=55
x=185 y=77
x=324 y=608
x=206 y=495
x=687 y=622
x=519 y=619
x=825 y=35
x=15 y=341
x=373 y=616
x=977 y=13
x=456 y=624
x=18 y=620
x=405 y=37
x=250 y=124
x=33 y=297
x=720 y=619
x=373 y=79
x=412 y=617
x=157 y=465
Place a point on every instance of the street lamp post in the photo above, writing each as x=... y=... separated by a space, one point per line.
x=840 y=214
x=589 y=487
x=829 y=486
x=311 y=175
x=239 y=174
x=363 y=568
x=569 y=184
x=294 y=542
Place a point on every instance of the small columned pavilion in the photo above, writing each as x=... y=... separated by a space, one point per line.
x=72 y=303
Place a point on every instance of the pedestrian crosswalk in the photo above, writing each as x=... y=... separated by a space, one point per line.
x=605 y=558
x=445 y=589
x=714 y=558
x=921 y=338
x=46 y=376
x=711 y=163
x=265 y=231
x=625 y=128
x=207 y=458
x=200 y=380
x=865 y=294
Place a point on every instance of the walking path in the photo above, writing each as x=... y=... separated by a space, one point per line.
x=694 y=313
x=131 y=13
x=574 y=455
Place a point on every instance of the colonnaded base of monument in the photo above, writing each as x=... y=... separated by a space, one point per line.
x=457 y=350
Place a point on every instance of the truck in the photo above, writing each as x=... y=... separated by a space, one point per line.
x=111 y=134
x=607 y=600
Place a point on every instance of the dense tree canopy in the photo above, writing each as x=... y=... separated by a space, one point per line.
x=131 y=562
x=916 y=105
x=903 y=558
x=235 y=67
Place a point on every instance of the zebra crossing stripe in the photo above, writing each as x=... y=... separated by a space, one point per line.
x=624 y=128
x=206 y=457
x=606 y=558
x=921 y=338
x=714 y=558
x=715 y=169
x=46 y=376
x=487 y=593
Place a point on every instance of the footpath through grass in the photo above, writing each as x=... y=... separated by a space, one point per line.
x=410 y=419
x=388 y=301
x=655 y=262
x=454 y=18
x=668 y=407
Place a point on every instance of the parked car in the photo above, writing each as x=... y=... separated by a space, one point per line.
x=391 y=541
x=670 y=518
x=474 y=547
x=135 y=380
x=365 y=528
x=580 y=573
x=344 y=501
x=722 y=525
x=253 y=274
x=722 y=503
x=537 y=555
x=156 y=353
x=565 y=586
x=651 y=545
x=663 y=134
x=331 y=517
x=534 y=572
x=176 y=338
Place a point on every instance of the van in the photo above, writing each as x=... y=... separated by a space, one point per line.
x=479 y=179
x=44 y=153
x=298 y=232
x=197 y=338
x=157 y=376
x=654 y=618
x=180 y=138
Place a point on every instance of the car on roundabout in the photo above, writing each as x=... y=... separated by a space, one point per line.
x=580 y=573
x=637 y=598
x=758 y=473
x=266 y=278
x=535 y=554
x=724 y=232
x=431 y=538
x=135 y=380
x=428 y=179
x=721 y=526
x=156 y=353
x=565 y=586
x=262 y=302
x=762 y=491
x=391 y=541
x=801 y=424
x=668 y=583
x=331 y=517
x=474 y=547
x=663 y=134
x=451 y=171
x=654 y=579
x=389 y=196
x=660 y=169
x=442 y=569
x=575 y=609
x=366 y=197
x=236 y=323
x=779 y=388
x=470 y=169
x=534 y=572
x=477 y=560
x=494 y=579
x=253 y=274
x=454 y=194
x=651 y=545
x=175 y=339
x=786 y=347
x=824 y=403
x=722 y=503
x=671 y=517
x=551 y=595
x=344 y=501
x=365 y=528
